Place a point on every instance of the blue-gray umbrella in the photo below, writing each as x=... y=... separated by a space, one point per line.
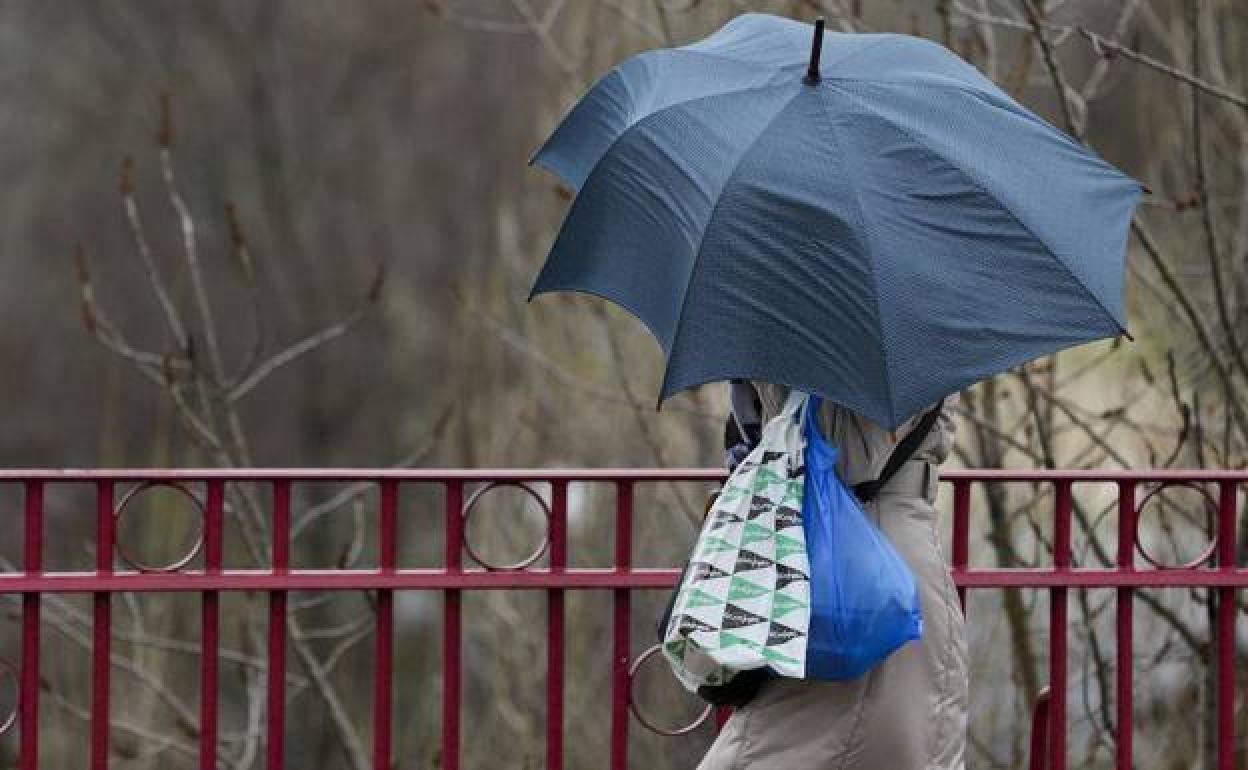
x=881 y=224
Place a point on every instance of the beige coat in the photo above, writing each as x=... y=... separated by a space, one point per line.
x=910 y=711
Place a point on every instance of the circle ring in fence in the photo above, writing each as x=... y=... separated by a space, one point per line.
x=642 y=718
x=531 y=558
x=176 y=564
x=1210 y=509
x=8 y=672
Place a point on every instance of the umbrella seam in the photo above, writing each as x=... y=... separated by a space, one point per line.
x=875 y=281
x=778 y=68
x=710 y=219
x=992 y=196
x=799 y=64
x=998 y=99
x=600 y=162
x=536 y=158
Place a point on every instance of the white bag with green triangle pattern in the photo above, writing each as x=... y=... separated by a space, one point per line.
x=744 y=600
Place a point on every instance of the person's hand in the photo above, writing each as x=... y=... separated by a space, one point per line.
x=734 y=456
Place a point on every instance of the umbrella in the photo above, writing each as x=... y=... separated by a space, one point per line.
x=863 y=216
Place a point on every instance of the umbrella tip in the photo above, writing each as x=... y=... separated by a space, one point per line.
x=816 y=47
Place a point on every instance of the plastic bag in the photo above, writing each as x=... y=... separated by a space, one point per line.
x=864 y=598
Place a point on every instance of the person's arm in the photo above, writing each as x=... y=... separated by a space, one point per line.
x=743 y=429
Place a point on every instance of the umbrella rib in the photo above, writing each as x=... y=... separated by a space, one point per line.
x=710 y=219
x=777 y=69
x=539 y=160
x=802 y=48
x=980 y=186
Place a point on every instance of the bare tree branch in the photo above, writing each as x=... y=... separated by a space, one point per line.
x=131 y=209
x=310 y=343
x=1108 y=48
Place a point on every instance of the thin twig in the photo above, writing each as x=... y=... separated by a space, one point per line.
x=307 y=344
x=1108 y=47
x=1096 y=78
x=353 y=492
x=1193 y=318
x=1105 y=47
x=240 y=247
x=1064 y=93
x=158 y=741
x=338 y=713
x=541 y=29
x=522 y=345
x=1212 y=251
x=131 y=209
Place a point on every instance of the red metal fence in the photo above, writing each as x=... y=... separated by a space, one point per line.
x=1215 y=569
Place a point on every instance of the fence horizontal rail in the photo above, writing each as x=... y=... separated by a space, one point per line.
x=567 y=474
x=572 y=579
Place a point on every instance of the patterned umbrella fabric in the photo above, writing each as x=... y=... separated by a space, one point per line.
x=878 y=223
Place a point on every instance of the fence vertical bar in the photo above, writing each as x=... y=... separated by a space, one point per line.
x=621 y=644
x=1126 y=640
x=451 y=626
x=1226 y=627
x=961 y=531
x=210 y=629
x=554 y=638
x=1057 y=629
x=28 y=690
x=275 y=713
x=101 y=626
x=383 y=688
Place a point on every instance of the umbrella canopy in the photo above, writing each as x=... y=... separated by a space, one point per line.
x=883 y=232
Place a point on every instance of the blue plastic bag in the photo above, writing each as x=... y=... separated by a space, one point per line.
x=864 y=598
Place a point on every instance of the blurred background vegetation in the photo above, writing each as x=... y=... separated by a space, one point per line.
x=302 y=233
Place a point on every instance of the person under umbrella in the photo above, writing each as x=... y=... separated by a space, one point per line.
x=877 y=223
x=910 y=711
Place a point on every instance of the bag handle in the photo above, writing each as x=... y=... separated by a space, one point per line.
x=746 y=412
x=866 y=490
x=901 y=454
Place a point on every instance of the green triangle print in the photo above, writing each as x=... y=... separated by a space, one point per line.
x=793 y=493
x=700 y=598
x=728 y=639
x=677 y=648
x=782 y=605
x=744 y=589
x=776 y=657
x=717 y=545
x=787 y=546
x=735 y=617
x=732 y=493
x=755 y=533
x=768 y=476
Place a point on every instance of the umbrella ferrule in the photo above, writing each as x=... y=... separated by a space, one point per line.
x=816 y=48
